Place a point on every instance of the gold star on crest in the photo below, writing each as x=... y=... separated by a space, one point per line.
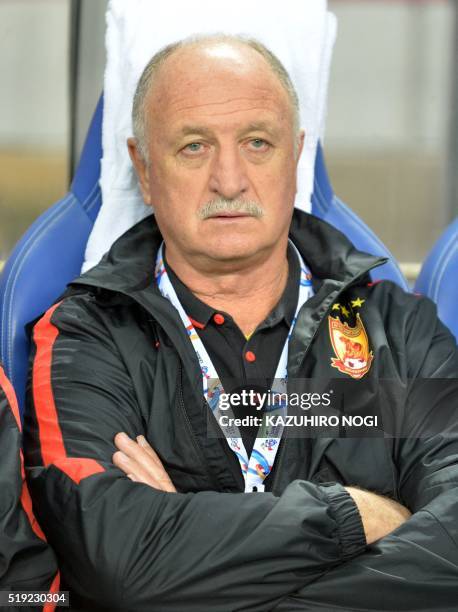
x=345 y=312
x=357 y=303
x=336 y=307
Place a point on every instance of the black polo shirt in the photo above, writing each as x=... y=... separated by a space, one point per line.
x=236 y=358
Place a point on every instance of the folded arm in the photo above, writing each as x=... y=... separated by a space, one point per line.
x=126 y=545
x=140 y=462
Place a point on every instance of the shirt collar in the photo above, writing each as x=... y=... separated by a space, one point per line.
x=201 y=313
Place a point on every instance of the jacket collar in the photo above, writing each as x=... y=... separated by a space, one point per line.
x=129 y=265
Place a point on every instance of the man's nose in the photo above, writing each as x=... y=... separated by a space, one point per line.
x=228 y=174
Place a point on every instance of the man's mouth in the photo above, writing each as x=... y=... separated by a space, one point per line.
x=230 y=215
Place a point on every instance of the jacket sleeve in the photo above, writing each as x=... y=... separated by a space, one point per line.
x=26 y=561
x=127 y=546
x=416 y=567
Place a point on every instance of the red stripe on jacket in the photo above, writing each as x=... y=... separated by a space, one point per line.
x=25 y=495
x=26 y=500
x=54 y=588
x=50 y=434
x=10 y=396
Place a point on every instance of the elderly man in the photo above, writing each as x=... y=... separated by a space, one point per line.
x=146 y=506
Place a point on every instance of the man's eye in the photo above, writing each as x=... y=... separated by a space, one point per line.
x=193 y=147
x=258 y=144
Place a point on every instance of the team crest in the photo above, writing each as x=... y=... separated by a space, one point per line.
x=351 y=346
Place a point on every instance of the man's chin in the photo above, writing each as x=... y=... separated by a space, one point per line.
x=225 y=252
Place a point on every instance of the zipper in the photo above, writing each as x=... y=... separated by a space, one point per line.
x=195 y=442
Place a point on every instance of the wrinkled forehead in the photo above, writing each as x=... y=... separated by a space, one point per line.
x=221 y=77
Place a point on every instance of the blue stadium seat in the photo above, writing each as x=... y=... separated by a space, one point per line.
x=51 y=252
x=327 y=206
x=47 y=257
x=438 y=278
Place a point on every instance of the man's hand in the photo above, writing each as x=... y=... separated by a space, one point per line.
x=380 y=515
x=141 y=464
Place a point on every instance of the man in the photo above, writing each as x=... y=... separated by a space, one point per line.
x=146 y=507
x=26 y=561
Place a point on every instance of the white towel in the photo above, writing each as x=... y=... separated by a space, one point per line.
x=322 y=105
x=300 y=33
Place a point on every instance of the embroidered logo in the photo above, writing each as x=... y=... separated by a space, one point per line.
x=351 y=346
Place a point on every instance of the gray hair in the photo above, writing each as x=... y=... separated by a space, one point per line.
x=139 y=116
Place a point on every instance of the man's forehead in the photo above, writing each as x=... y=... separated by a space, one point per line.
x=215 y=101
x=224 y=86
x=210 y=74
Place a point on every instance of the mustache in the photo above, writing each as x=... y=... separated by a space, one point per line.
x=214 y=207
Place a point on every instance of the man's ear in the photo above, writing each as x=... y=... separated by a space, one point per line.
x=300 y=144
x=141 y=168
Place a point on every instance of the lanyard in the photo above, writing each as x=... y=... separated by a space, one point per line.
x=259 y=465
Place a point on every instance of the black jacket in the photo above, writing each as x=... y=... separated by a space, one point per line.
x=26 y=561
x=113 y=356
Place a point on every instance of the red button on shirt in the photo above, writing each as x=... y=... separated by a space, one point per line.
x=218 y=319
x=250 y=356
